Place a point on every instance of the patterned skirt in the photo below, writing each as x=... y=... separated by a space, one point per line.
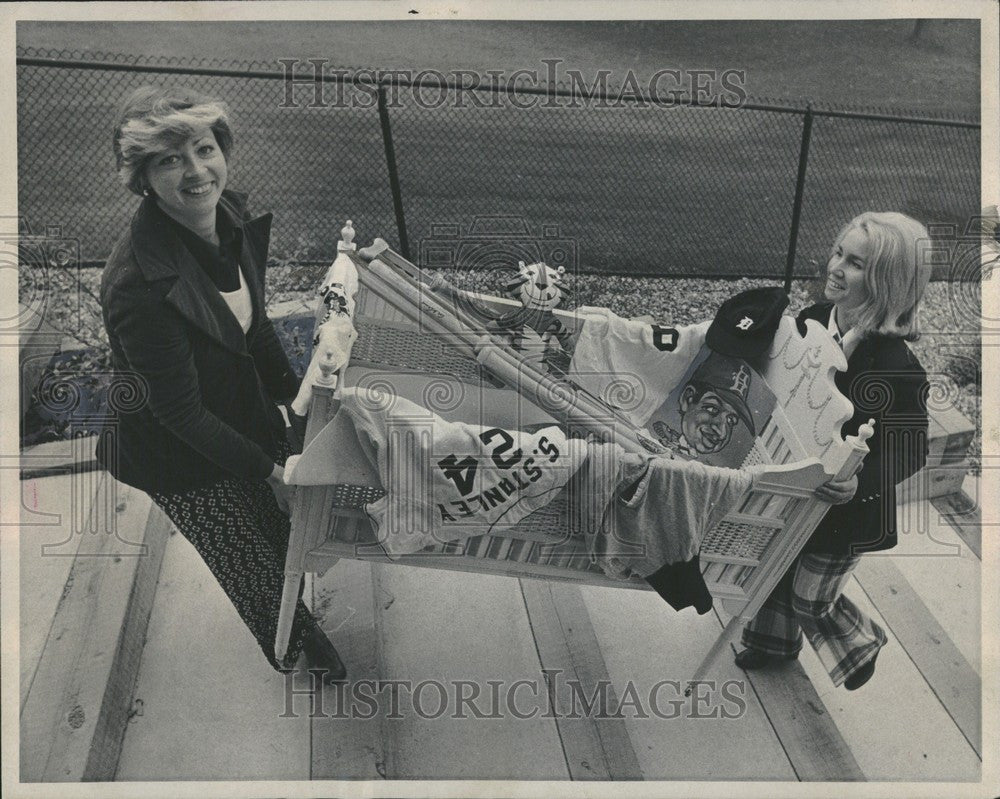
x=242 y=535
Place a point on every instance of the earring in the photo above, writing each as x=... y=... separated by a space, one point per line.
x=145 y=192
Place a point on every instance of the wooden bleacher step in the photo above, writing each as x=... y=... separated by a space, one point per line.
x=81 y=697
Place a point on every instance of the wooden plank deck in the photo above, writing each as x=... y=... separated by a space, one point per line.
x=720 y=732
x=395 y=622
x=43 y=576
x=344 y=599
x=812 y=743
x=963 y=513
x=596 y=745
x=896 y=726
x=80 y=696
x=211 y=706
x=948 y=674
x=455 y=629
x=70 y=456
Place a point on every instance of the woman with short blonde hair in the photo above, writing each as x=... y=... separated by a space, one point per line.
x=182 y=295
x=152 y=118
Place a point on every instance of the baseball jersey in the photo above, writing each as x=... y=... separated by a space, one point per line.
x=631 y=365
x=447 y=481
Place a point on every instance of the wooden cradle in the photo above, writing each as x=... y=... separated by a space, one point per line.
x=742 y=557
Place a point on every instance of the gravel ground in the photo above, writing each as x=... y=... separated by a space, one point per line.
x=949 y=349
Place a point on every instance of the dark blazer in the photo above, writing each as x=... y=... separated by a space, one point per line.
x=205 y=404
x=886 y=382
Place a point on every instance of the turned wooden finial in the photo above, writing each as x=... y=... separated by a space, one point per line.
x=346 y=238
x=866 y=431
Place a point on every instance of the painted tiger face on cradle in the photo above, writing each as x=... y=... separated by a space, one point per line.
x=538 y=286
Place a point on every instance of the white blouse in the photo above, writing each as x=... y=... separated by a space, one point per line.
x=848 y=341
x=239 y=303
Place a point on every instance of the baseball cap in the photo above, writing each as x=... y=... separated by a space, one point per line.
x=744 y=325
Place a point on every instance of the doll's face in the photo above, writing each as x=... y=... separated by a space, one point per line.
x=332 y=344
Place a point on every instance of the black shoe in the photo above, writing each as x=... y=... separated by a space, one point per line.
x=861 y=676
x=322 y=655
x=752 y=659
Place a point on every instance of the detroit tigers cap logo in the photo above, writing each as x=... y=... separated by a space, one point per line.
x=741 y=381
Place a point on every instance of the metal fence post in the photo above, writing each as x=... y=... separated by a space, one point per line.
x=800 y=183
x=390 y=162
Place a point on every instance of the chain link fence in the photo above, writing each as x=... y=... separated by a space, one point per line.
x=642 y=189
x=930 y=171
x=312 y=170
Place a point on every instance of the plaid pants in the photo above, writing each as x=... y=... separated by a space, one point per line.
x=810 y=599
x=242 y=535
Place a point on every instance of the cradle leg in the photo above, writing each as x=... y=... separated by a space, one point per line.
x=286 y=614
x=726 y=637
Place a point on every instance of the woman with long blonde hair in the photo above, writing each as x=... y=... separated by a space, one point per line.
x=875 y=277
